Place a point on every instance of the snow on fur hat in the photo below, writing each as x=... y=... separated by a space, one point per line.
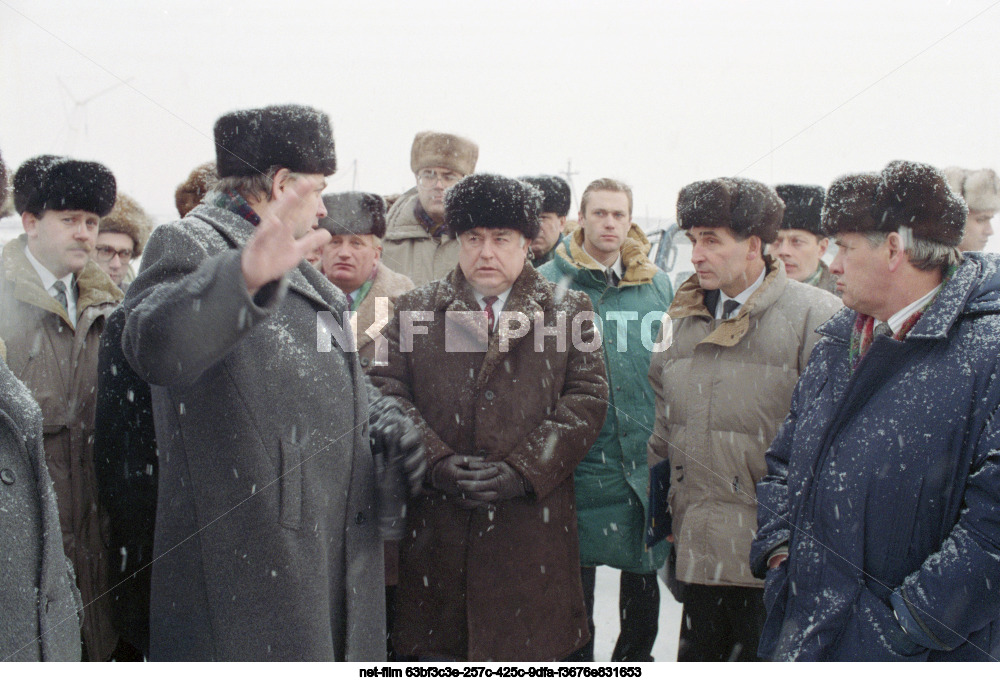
x=979 y=188
x=291 y=136
x=905 y=194
x=191 y=191
x=68 y=184
x=747 y=207
x=494 y=202
x=555 y=192
x=28 y=178
x=354 y=213
x=455 y=153
x=128 y=218
x=803 y=207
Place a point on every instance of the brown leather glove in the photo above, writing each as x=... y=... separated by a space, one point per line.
x=504 y=483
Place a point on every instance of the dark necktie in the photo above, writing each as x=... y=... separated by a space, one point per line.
x=611 y=276
x=60 y=295
x=882 y=329
x=728 y=308
x=490 y=315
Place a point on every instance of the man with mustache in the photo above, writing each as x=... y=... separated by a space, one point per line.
x=54 y=301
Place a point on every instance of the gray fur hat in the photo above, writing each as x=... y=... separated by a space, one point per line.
x=555 y=193
x=292 y=136
x=354 y=213
x=979 y=188
x=747 y=207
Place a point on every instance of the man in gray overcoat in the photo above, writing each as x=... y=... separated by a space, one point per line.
x=267 y=541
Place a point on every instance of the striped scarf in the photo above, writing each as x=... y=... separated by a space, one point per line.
x=863 y=334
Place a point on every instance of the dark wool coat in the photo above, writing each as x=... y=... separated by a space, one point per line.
x=501 y=583
x=126 y=464
x=612 y=482
x=888 y=480
x=38 y=597
x=58 y=363
x=266 y=531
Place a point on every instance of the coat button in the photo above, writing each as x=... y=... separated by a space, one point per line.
x=489 y=395
x=359 y=518
x=365 y=361
x=7 y=476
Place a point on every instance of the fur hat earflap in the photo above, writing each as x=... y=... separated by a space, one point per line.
x=190 y=192
x=850 y=204
x=917 y=196
x=803 y=207
x=495 y=202
x=68 y=184
x=354 y=213
x=979 y=188
x=440 y=149
x=555 y=193
x=127 y=217
x=28 y=178
x=747 y=207
x=292 y=136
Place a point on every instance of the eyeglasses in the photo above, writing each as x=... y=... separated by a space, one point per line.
x=428 y=178
x=107 y=254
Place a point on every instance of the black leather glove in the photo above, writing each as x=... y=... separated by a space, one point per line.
x=503 y=483
x=395 y=436
x=451 y=472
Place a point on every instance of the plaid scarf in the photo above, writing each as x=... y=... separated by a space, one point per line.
x=234 y=203
x=427 y=221
x=863 y=334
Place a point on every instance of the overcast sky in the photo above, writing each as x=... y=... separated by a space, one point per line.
x=658 y=94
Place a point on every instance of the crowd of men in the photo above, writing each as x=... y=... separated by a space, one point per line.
x=342 y=426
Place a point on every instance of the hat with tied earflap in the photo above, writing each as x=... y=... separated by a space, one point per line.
x=354 y=213
x=747 y=207
x=803 y=207
x=292 y=136
x=555 y=192
x=494 y=202
x=979 y=188
x=68 y=184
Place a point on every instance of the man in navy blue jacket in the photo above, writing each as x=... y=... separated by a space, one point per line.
x=878 y=531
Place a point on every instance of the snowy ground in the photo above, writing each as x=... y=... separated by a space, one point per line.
x=606 y=619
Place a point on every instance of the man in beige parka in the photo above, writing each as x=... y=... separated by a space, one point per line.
x=742 y=333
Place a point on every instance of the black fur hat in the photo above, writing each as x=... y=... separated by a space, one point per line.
x=803 y=207
x=354 y=213
x=555 y=192
x=3 y=184
x=292 y=136
x=904 y=195
x=747 y=207
x=68 y=184
x=28 y=178
x=493 y=201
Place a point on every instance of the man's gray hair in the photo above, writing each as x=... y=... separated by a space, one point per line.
x=256 y=187
x=924 y=255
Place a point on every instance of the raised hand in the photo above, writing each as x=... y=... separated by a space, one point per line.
x=286 y=233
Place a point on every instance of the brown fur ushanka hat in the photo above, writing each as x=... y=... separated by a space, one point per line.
x=495 y=202
x=441 y=149
x=190 y=192
x=979 y=188
x=905 y=194
x=747 y=207
x=127 y=217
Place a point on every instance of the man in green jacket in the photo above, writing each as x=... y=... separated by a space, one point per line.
x=605 y=257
